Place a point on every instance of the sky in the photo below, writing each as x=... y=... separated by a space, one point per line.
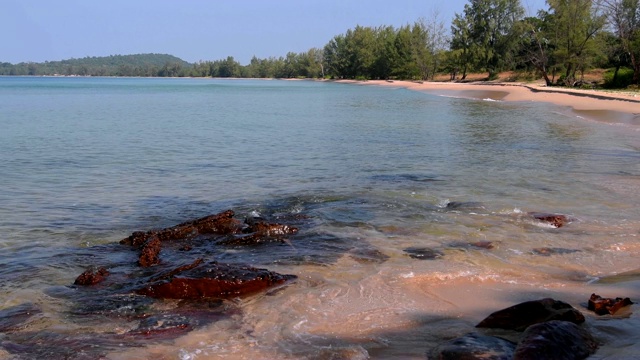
x=194 y=30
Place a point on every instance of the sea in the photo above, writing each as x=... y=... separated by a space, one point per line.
x=414 y=213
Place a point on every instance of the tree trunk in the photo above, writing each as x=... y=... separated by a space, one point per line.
x=636 y=68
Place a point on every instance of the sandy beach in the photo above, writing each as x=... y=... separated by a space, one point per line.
x=600 y=105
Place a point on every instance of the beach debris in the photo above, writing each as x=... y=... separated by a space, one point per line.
x=212 y=280
x=548 y=251
x=475 y=346
x=11 y=319
x=91 y=277
x=421 y=253
x=555 y=220
x=555 y=339
x=607 y=306
x=523 y=315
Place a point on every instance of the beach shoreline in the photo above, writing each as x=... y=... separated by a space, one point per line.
x=596 y=105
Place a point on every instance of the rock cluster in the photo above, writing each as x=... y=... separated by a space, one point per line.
x=605 y=306
x=551 y=331
x=201 y=279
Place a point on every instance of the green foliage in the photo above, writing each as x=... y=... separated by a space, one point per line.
x=574 y=25
x=485 y=34
x=618 y=78
x=114 y=65
x=489 y=35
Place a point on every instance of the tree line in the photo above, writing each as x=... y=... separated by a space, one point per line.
x=559 y=44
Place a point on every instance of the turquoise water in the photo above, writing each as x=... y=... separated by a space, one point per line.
x=87 y=161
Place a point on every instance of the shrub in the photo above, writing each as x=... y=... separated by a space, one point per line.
x=622 y=80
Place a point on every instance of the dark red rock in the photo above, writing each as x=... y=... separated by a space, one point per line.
x=222 y=223
x=607 y=306
x=150 y=252
x=558 y=340
x=259 y=232
x=474 y=346
x=213 y=280
x=89 y=277
x=268 y=229
x=523 y=315
x=557 y=220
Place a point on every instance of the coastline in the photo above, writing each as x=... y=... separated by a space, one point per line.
x=593 y=104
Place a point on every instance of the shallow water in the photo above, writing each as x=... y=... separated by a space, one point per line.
x=87 y=161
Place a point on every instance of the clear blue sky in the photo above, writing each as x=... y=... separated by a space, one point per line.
x=39 y=30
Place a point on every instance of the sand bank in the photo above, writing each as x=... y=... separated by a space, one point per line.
x=595 y=104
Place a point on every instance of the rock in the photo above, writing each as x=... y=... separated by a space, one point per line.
x=521 y=316
x=423 y=253
x=474 y=346
x=171 y=263
x=605 y=306
x=150 y=252
x=465 y=205
x=213 y=280
x=477 y=245
x=222 y=223
x=267 y=229
x=12 y=318
x=89 y=277
x=558 y=340
x=368 y=255
x=556 y=220
x=547 y=251
x=174 y=323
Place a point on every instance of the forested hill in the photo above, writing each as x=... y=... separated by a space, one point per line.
x=114 y=65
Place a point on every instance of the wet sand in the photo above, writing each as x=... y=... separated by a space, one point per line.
x=618 y=107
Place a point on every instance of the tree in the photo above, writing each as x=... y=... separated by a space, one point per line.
x=462 y=46
x=229 y=68
x=575 y=24
x=490 y=24
x=535 y=47
x=624 y=16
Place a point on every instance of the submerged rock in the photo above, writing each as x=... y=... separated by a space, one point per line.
x=465 y=205
x=12 y=318
x=423 y=253
x=556 y=220
x=89 y=277
x=548 y=251
x=179 y=262
x=474 y=346
x=606 y=306
x=523 y=315
x=477 y=245
x=559 y=340
x=368 y=255
x=213 y=280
